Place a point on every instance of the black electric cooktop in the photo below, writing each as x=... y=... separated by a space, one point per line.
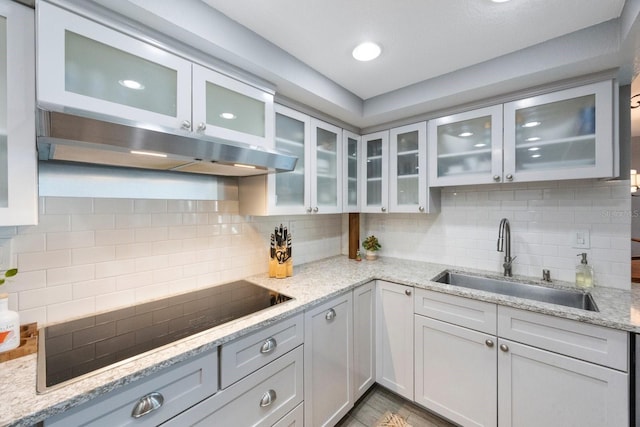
x=73 y=349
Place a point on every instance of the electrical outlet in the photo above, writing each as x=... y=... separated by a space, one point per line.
x=581 y=239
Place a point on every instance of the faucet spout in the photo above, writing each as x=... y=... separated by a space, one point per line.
x=504 y=245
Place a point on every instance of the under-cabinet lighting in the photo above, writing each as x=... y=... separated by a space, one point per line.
x=465 y=134
x=500 y=1
x=535 y=156
x=534 y=148
x=228 y=116
x=533 y=139
x=131 y=84
x=531 y=124
x=366 y=51
x=480 y=145
x=240 y=165
x=148 y=153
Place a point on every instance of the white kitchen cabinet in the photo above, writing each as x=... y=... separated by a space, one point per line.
x=89 y=68
x=295 y=418
x=261 y=399
x=364 y=339
x=394 y=337
x=18 y=158
x=174 y=390
x=466 y=148
x=561 y=135
x=314 y=186
x=567 y=134
x=455 y=372
x=541 y=388
x=408 y=188
x=352 y=154
x=328 y=358
x=374 y=182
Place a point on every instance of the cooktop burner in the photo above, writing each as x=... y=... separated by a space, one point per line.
x=72 y=349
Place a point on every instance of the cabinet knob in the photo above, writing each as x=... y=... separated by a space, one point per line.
x=408 y=292
x=330 y=315
x=202 y=126
x=383 y=209
x=309 y=209
x=315 y=209
x=268 y=398
x=186 y=125
x=509 y=177
x=147 y=404
x=268 y=346
x=421 y=208
x=489 y=343
x=496 y=178
x=504 y=347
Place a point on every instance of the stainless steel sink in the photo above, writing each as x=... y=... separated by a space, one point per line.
x=566 y=297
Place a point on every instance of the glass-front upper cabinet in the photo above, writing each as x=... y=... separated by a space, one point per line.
x=86 y=66
x=326 y=179
x=561 y=135
x=227 y=108
x=351 y=149
x=466 y=148
x=374 y=184
x=18 y=158
x=408 y=168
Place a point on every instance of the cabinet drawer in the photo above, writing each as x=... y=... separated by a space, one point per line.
x=181 y=386
x=294 y=418
x=466 y=312
x=592 y=343
x=245 y=403
x=241 y=357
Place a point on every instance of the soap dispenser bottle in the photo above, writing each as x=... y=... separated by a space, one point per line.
x=584 y=273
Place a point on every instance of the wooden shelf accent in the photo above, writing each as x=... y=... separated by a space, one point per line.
x=28 y=343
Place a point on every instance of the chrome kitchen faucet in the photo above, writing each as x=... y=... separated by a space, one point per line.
x=504 y=233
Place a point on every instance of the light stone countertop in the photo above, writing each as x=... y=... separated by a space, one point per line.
x=310 y=285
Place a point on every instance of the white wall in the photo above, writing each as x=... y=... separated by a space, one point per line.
x=543 y=217
x=89 y=254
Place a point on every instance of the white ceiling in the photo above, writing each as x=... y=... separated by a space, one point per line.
x=420 y=39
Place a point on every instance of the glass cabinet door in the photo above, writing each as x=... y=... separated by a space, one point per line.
x=375 y=171
x=565 y=134
x=18 y=158
x=407 y=168
x=226 y=108
x=466 y=148
x=327 y=183
x=351 y=171
x=289 y=191
x=90 y=67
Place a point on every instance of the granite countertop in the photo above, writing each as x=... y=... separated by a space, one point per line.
x=311 y=284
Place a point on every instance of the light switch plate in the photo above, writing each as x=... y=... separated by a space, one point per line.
x=581 y=239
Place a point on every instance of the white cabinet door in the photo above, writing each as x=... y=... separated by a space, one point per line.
x=466 y=148
x=540 y=388
x=394 y=337
x=364 y=339
x=18 y=158
x=455 y=372
x=374 y=181
x=328 y=358
x=229 y=109
x=87 y=66
x=561 y=135
x=326 y=170
x=352 y=155
x=408 y=169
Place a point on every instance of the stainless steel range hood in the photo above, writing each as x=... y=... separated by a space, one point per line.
x=77 y=137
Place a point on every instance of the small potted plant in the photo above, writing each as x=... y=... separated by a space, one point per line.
x=371 y=246
x=6 y=274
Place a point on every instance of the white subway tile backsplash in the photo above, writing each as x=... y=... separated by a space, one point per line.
x=115 y=268
x=93 y=255
x=182 y=206
x=78 y=273
x=92 y=288
x=43 y=260
x=70 y=240
x=71 y=309
x=45 y=296
x=114 y=300
x=114 y=237
x=34 y=242
x=135 y=280
x=149 y=205
x=92 y=222
x=113 y=206
x=68 y=205
x=151 y=234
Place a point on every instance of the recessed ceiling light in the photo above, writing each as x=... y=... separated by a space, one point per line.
x=533 y=138
x=534 y=148
x=131 y=84
x=480 y=144
x=228 y=116
x=531 y=124
x=465 y=134
x=366 y=51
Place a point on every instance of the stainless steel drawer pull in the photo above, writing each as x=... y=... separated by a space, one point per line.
x=268 y=398
x=408 y=292
x=504 y=347
x=489 y=343
x=268 y=346
x=331 y=314
x=147 y=404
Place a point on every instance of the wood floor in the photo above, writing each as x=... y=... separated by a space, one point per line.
x=370 y=408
